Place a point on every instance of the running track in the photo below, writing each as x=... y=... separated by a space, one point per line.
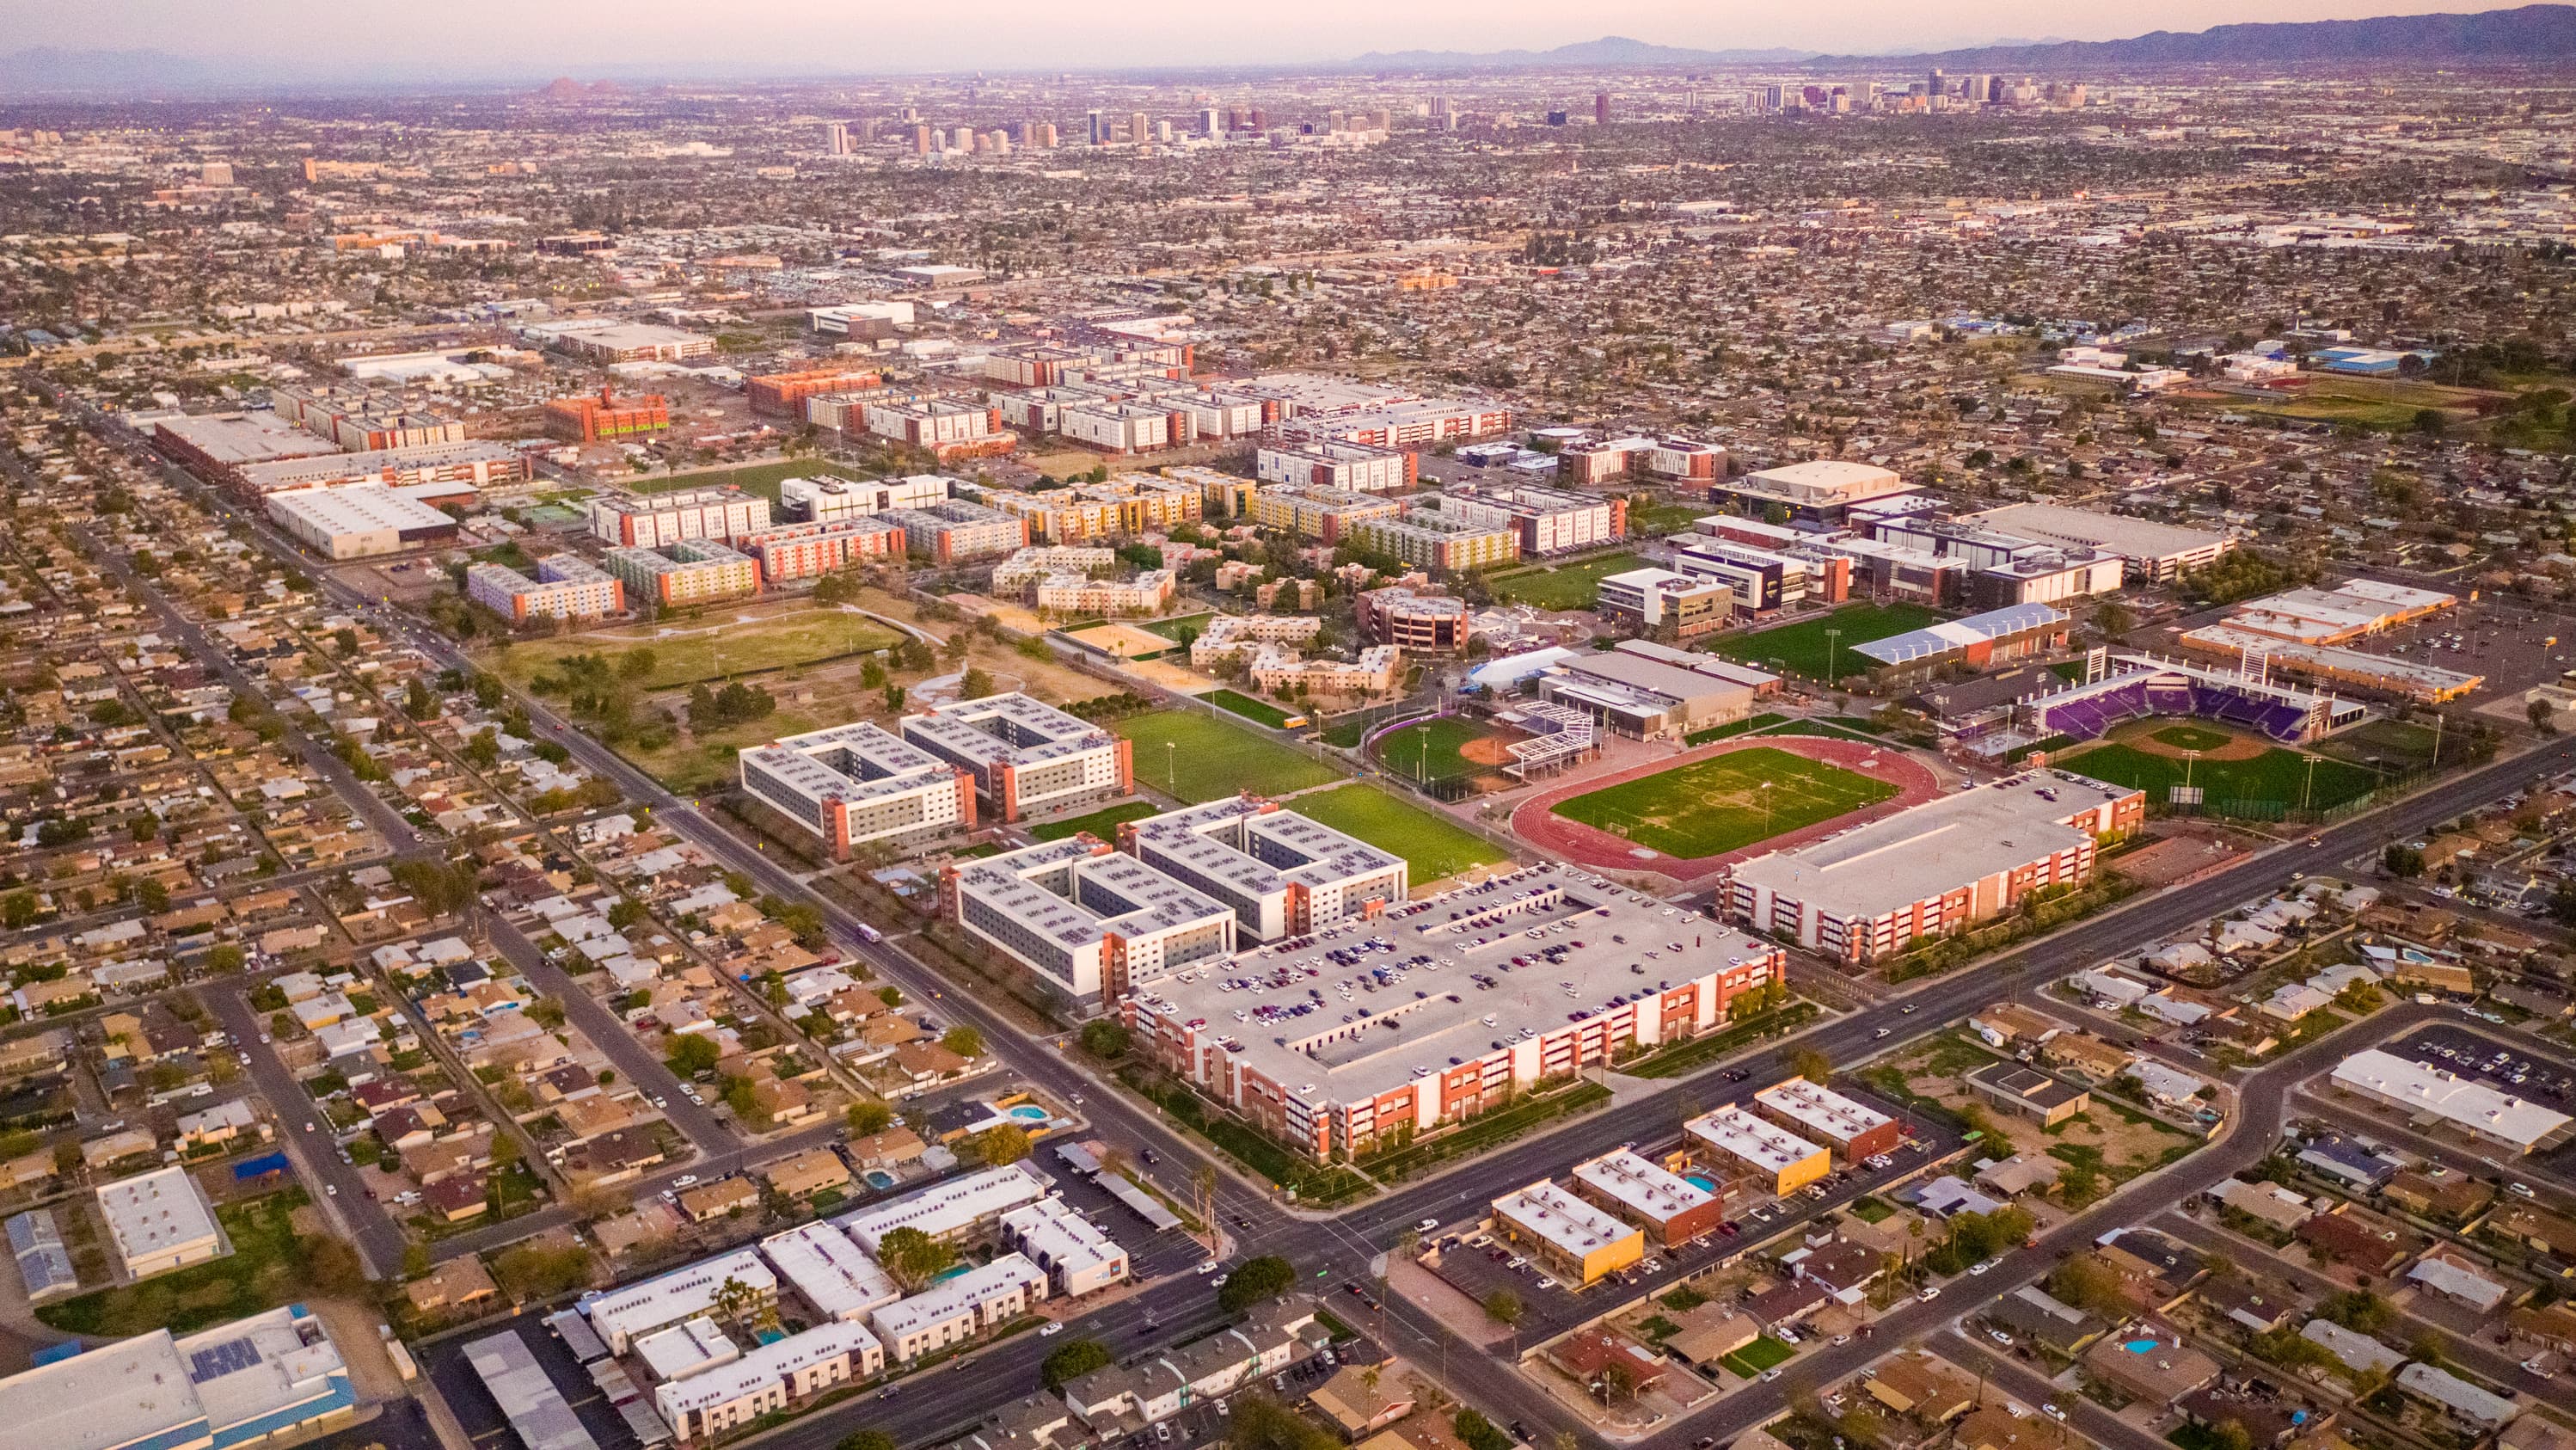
x=1535 y=820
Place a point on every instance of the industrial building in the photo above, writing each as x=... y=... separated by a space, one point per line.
x=1324 y=1075
x=271 y=1376
x=1855 y=1130
x=2430 y=1094
x=808 y=551
x=2153 y=551
x=606 y=340
x=1671 y=1207
x=956 y=531
x=1569 y=1235
x=1085 y=918
x=1934 y=868
x=690 y=572
x=1028 y=758
x=1822 y=491
x=825 y=499
x=851 y=784
x=213 y=445
x=1413 y=620
x=566 y=587
x=360 y=522
x=657 y=520
x=1324 y=514
x=1284 y=874
x=159 y=1221
x=1352 y=467
x=1740 y=1145
x=1663 y=602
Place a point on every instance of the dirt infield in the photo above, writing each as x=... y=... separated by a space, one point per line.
x=1485 y=750
x=1536 y=821
x=2177 y=739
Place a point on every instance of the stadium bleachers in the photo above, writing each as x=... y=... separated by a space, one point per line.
x=2094 y=709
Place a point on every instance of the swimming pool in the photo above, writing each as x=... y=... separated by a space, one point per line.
x=879 y=1178
x=1704 y=1185
x=1029 y=1113
x=2139 y=1346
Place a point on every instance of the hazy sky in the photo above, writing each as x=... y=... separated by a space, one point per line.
x=466 y=37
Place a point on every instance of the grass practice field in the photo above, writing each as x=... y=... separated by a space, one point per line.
x=1431 y=846
x=2394 y=744
x=1802 y=648
x=760 y=478
x=1102 y=823
x=1717 y=805
x=2274 y=774
x=1449 y=748
x=1561 y=586
x=1259 y=711
x=712 y=647
x=1186 y=754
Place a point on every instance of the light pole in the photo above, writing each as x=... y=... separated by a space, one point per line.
x=2309 y=789
x=1171 y=767
x=2189 y=759
x=1766 y=808
x=1833 y=655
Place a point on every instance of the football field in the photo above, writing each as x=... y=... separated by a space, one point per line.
x=1726 y=802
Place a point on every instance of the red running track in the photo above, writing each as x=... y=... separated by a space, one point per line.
x=1535 y=820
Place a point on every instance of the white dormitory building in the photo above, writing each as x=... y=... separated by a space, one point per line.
x=851 y=784
x=1284 y=874
x=2423 y=1091
x=956 y=1310
x=950 y=1209
x=1027 y=758
x=621 y=1316
x=1087 y=919
x=655 y=521
x=566 y=587
x=824 y=500
x=722 y=1396
x=1077 y=1257
x=830 y=1271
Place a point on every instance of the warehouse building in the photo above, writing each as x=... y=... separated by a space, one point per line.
x=1853 y=1129
x=566 y=587
x=692 y=571
x=1085 y=918
x=825 y=500
x=1337 y=1076
x=1669 y=1206
x=653 y=521
x=1028 y=758
x=606 y=340
x=360 y=522
x=956 y=531
x=159 y=1221
x=808 y=551
x=851 y=784
x=1284 y=874
x=470 y=466
x=2152 y=551
x=213 y=446
x=1932 y=869
x=1740 y=1145
x=2436 y=1095
x=272 y=1376
x=1822 y=491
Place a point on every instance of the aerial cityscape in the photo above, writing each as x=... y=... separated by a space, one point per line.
x=1035 y=730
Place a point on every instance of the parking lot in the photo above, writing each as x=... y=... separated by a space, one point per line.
x=2507 y=1067
x=1550 y=1306
x=1205 y=1422
x=445 y=1363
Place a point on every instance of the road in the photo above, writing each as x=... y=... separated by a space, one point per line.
x=2033 y=1389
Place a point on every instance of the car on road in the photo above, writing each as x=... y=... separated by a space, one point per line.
x=1426 y=1226
x=1053 y=1328
x=1769 y=1375
x=1998 y=1336
x=2052 y=1411
x=1930 y=1293
x=1980 y=1267
x=332 y=1189
x=308 y=1127
x=685 y=1180
x=1203 y=1266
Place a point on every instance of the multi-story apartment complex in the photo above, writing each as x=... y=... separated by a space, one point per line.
x=1569 y=1235
x=1546 y=520
x=855 y=783
x=1078 y=1258
x=1338 y=1079
x=947 y=428
x=1229 y=633
x=1127 y=426
x=1221 y=495
x=1853 y=1129
x=1325 y=515
x=1374 y=673
x=1414 y=620
x=1028 y=758
x=651 y=521
x=362 y=420
x=957 y=1309
x=1020 y=572
x=1355 y=467
x=720 y=1396
x=1608 y=460
x=1149 y=592
x=1284 y=874
x=806 y=551
x=566 y=587
x=585 y=419
x=783 y=395
x=957 y=531
x=692 y=571
x=1312 y=408
x=1436 y=539
x=1125 y=504
x=1736 y=1144
x=1934 y=868
x=1083 y=917
x=824 y=499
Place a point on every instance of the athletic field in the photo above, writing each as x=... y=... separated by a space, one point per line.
x=1449 y=748
x=1186 y=754
x=1431 y=846
x=2271 y=774
x=1802 y=647
x=1722 y=804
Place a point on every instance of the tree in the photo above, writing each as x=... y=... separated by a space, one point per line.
x=914 y=1258
x=483 y=749
x=1480 y=1433
x=331 y=1266
x=694 y=1054
x=964 y=1041
x=224 y=958
x=1503 y=1307
x=734 y=1300
x=1254 y=1282
x=1002 y=1143
x=1812 y=1065
x=1262 y=1423
x=2088 y=1283
x=151 y=894
x=2401 y=860
x=18 y=908
x=1073 y=1361
x=976 y=685
x=1104 y=1039
x=869 y=1116
x=866 y=1440
x=2359 y=1310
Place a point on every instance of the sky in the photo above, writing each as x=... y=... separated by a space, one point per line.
x=465 y=39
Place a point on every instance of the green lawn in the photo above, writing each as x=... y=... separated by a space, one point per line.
x=1431 y=846
x=1655 y=520
x=1718 y=805
x=1430 y=750
x=712 y=648
x=2393 y=743
x=705 y=760
x=2275 y=775
x=1802 y=648
x=1728 y=732
x=265 y=1269
x=1260 y=712
x=1560 y=586
x=1171 y=629
x=1198 y=759
x=760 y=478
x=1750 y=1361
x=1102 y=823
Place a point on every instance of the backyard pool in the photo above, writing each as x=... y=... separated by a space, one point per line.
x=879 y=1178
x=1704 y=1185
x=1030 y=1113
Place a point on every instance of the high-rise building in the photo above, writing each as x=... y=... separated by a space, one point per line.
x=1095 y=130
x=1601 y=108
x=1208 y=122
x=924 y=141
x=1139 y=129
x=836 y=138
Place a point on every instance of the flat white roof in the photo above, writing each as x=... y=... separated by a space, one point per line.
x=672 y=1297
x=1642 y=1187
x=763 y=1367
x=686 y=1348
x=1074 y=1244
x=1935 y=847
x=156 y=1213
x=1740 y=1135
x=1572 y=1226
x=2469 y=1103
x=2145 y=539
x=967 y=1293
x=1821 y=1110
x=835 y=1275
x=153 y=1385
x=946 y=1208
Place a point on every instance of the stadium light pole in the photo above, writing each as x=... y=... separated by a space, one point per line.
x=2189 y=759
x=1766 y=808
x=1833 y=655
x=2309 y=789
x=1171 y=767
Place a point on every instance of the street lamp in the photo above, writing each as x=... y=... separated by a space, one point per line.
x=1171 y=766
